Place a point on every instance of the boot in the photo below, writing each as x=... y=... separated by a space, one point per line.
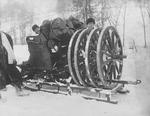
x=21 y=92
x=3 y=100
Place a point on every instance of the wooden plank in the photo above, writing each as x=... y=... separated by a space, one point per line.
x=107 y=100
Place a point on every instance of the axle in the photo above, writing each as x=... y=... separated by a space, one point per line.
x=125 y=82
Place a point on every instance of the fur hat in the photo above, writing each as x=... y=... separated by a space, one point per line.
x=90 y=20
x=34 y=27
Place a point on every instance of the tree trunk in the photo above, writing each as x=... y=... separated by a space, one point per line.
x=124 y=23
x=85 y=12
x=0 y=24
x=116 y=22
x=144 y=28
x=148 y=11
x=103 y=13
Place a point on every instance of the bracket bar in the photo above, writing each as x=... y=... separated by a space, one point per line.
x=125 y=82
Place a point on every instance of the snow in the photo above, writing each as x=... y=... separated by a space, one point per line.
x=134 y=25
x=21 y=53
x=136 y=66
x=40 y=103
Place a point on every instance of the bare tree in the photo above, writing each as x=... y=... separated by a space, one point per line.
x=78 y=8
x=83 y=9
x=114 y=15
x=144 y=26
x=0 y=14
x=88 y=12
x=124 y=22
x=18 y=16
x=103 y=12
x=148 y=11
x=117 y=17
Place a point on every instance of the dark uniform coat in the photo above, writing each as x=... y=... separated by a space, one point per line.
x=9 y=74
x=40 y=57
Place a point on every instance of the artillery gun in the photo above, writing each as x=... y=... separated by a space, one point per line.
x=92 y=59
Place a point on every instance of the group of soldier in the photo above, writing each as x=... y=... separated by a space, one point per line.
x=9 y=74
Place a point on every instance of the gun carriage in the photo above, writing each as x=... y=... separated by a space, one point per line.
x=88 y=58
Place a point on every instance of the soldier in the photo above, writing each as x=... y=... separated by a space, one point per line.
x=45 y=30
x=90 y=22
x=36 y=29
x=9 y=74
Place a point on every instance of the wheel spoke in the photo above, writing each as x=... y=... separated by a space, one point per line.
x=106 y=62
x=109 y=71
x=107 y=46
x=105 y=52
x=112 y=37
x=120 y=68
x=118 y=48
x=116 y=67
x=116 y=43
x=105 y=70
x=114 y=71
x=118 y=60
x=108 y=38
x=109 y=43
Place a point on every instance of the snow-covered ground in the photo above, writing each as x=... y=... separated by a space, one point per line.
x=137 y=102
x=136 y=66
x=21 y=53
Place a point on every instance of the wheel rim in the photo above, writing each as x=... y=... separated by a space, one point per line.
x=71 y=56
x=90 y=59
x=79 y=58
x=109 y=63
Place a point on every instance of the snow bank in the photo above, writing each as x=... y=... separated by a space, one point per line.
x=21 y=53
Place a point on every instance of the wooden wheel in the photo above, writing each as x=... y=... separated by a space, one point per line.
x=71 y=56
x=109 y=57
x=90 y=57
x=79 y=58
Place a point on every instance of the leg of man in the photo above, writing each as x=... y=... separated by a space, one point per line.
x=2 y=84
x=16 y=79
x=2 y=80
